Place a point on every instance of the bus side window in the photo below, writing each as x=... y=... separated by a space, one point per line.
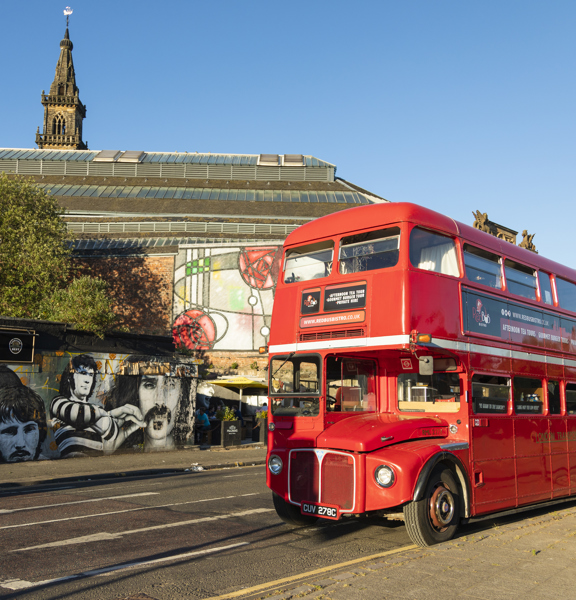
x=545 y=288
x=490 y=394
x=482 y=267
x=566 y=294
x=527 y=396
x=433 y=252
x=571 y=398
x=554 y=397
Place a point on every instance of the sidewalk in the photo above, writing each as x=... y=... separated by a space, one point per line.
x=529 y=558
x=129 y=464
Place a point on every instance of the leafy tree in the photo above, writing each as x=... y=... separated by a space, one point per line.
x=36 y=271
x=84 y=302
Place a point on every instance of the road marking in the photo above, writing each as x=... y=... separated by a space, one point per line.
x=19 y=584
x=6 y=511
x=105 y=536
x=279 y=582
x=117 y=512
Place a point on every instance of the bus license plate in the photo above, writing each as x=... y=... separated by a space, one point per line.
x=319 y=510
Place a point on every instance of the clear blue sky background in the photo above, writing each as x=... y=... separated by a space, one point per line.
x=453 y=104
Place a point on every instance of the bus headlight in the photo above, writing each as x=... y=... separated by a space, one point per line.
x=384 y=476
x=275 y=464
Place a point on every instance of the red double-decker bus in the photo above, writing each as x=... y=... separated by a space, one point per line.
x=418 y=364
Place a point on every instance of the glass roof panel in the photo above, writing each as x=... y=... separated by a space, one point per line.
x=274 y=196
x=55 y=189
x=188 y=194
x=232 y=194
x=205 y=195
x=143 y=192
x=72 y=190
x=177 y=193
x=214 y=194
x=258 y=195
x=133 y=191
x=152 y=192
x=313 y=196
x=304 y=197
x=241 y=195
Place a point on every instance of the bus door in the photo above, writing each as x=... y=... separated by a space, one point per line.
x=493 y=474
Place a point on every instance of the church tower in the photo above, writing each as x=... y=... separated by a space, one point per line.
x=63 y=111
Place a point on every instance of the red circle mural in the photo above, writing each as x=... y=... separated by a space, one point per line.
x=259 y=267
x=194 y=330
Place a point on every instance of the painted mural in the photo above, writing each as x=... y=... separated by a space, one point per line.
x=223 y=296
x=69 y=405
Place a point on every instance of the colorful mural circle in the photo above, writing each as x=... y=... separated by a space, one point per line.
x=259 y=267
x=194 y=330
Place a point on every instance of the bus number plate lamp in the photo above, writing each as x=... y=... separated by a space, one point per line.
x=425 y=363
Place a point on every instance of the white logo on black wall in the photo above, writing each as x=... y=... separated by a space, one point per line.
x=15 y=345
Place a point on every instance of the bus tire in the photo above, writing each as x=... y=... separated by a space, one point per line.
x=435 y=518
x=290 y=513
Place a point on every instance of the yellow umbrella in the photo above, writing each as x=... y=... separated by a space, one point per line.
x=241 y=383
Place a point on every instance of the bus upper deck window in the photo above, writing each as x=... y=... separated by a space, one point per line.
x=309 y=262
x=482 y=267
x=545 y=287
x=566 y=294
x=433 y=252
x=520 y=279
x=370 y=250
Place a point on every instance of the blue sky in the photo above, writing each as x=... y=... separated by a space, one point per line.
x=452 y=104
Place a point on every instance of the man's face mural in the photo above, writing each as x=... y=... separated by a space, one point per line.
x=83 y=380
x=158 y=398
x=18 y=440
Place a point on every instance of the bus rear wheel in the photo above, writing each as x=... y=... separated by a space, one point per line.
x=290 y=513
x=435 y=518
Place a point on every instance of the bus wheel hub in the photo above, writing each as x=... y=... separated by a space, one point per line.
x=441 y=507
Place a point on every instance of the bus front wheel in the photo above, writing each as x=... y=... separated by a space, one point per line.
x=290 y=513
x=435 y=518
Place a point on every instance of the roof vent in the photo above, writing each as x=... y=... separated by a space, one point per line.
x=269 y=160
x=131 y=156
x=106 y=156
x=293 y=160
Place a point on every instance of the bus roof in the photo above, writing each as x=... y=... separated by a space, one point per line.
x=375 y=215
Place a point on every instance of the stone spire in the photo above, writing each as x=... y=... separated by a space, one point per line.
x=63 y=111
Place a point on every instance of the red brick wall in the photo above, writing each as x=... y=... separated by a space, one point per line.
x=141 y=288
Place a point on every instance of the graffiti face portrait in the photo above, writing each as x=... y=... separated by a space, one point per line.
x=158 y=398
x=22 y=424
x=18 y=440
x=83 y=381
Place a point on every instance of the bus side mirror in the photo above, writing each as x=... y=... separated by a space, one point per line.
x=426 y=365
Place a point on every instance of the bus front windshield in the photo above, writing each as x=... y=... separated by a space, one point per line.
x=294 y=386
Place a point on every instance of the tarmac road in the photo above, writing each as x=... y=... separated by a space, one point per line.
x=191 y=535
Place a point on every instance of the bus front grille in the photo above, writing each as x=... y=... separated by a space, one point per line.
x=322 y=476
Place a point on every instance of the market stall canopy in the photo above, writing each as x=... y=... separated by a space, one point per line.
x=241 y=382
